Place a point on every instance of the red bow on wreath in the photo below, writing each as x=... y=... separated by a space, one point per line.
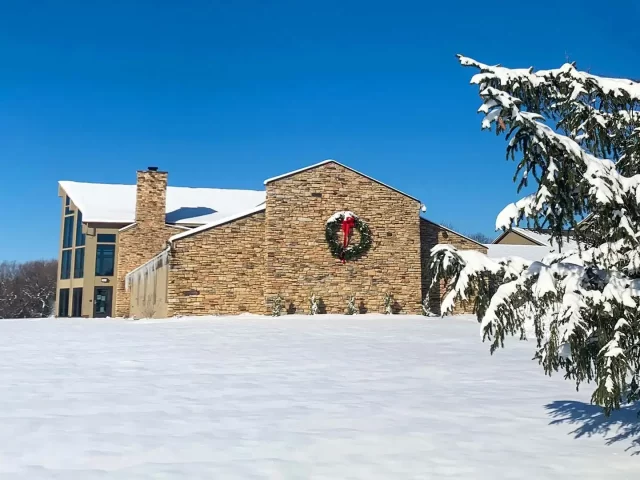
x=347 y=224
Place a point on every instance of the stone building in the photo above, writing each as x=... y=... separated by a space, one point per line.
x=209 y=251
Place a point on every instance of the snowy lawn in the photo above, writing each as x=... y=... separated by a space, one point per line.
x=323 y=397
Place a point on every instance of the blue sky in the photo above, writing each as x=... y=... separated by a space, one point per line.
x=227 y=93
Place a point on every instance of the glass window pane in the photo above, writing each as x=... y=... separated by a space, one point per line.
x=65 y=270
x=105 y=259
x=106 y=238
x=63 y=302
x=67 y=206
x=78 y=266
x=67 y=234
x=76 y=302
x=80 y=237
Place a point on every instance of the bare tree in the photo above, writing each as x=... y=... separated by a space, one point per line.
x=27 y=290
x=480 y=237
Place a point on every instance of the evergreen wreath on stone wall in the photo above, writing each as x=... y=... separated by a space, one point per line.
x=347 y=221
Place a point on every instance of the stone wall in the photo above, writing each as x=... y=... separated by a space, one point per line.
x=432 y=234
x=146 y=238
x=219 y=270
x=298 y=260
x=137 y=245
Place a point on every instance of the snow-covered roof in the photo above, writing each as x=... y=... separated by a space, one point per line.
x=526 y=252
x=221 y=221
x=110 y=203
x=324 y=162
x=541 y=239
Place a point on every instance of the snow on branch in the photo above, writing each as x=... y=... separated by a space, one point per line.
x=578 y=80
x=549 y=151
x=606 y=184
x=576 y=137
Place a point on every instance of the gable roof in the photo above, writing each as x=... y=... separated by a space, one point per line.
x=540 y=239
x=111 y=203
x=325 y=162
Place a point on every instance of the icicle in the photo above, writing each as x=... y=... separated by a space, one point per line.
x=147 y=269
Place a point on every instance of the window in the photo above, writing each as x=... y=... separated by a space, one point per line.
x=67 y=234
x=105 y=255
x=65 y=268
x=78 y=266
x=63 y=302
x=80 y=237
x=106 y=238
x=76 y=302
x=67 y=206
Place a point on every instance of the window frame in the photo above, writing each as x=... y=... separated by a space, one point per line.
x=67 y=206
x=68 y=231
x=101 y=237
x=78 y=270
x=100 y=259
x=76 y=302
x=63 y=304
x=66 y=266
x=81 y=238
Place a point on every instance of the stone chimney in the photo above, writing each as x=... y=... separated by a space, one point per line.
x=151 y=197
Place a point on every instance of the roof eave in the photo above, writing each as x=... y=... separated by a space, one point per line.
x=518 y=231
x=453 y=231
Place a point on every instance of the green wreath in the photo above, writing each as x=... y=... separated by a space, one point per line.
x=351 y=252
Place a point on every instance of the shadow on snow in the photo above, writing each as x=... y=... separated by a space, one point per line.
x=621 y=425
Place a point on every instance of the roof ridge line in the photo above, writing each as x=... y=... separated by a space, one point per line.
x=330 y=160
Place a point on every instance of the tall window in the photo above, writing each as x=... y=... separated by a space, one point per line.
x=105 y=254
x=105 y=260
x=78 y=265
x=67 y=234
x=76 y=302
x=67 y=240
x=63 y=302
x=65 y=267
x=80 y=237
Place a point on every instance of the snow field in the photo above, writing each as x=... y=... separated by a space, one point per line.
x=296 y=397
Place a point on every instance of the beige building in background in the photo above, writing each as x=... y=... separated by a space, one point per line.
x=180 y=251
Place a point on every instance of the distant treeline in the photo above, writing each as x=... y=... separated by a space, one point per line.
x=27 y=290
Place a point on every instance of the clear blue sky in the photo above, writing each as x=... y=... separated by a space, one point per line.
x=227 y=93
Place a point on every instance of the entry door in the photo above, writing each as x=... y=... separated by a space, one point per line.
x=102 y=302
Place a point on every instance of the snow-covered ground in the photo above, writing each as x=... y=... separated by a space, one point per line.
x=324 y=397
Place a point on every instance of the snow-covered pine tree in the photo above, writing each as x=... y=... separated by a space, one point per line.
x=576 y=141
x=426 y=307
x=387 y=304
x=277 y=305
x=352 y=309
x=314 y=304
